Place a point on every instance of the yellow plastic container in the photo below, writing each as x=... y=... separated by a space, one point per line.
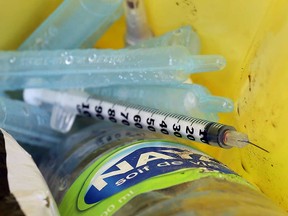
x=252 y=35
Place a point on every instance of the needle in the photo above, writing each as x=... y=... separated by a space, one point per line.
x=246 y=141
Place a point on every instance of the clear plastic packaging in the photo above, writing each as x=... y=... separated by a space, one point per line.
x=90 y=17
x=95 y=68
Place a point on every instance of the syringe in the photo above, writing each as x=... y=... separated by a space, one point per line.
x=154 y=120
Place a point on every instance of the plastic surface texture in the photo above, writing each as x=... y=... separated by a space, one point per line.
x=34 y=128
x=91 y=17
x=184 y=36
x=252 y=35
x=197 y=101
x=32 y=68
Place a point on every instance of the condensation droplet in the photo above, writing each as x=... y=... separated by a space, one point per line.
x=69 y=60
x=107 y=80
x=12 y=60
x=92 y=58
x=64 y=54
x=105 y=60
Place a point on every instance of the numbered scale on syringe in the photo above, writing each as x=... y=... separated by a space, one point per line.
x=154 y=120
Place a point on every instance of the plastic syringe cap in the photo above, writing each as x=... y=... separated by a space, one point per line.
x=235 y=139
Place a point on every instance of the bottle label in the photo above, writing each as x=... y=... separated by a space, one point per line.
x=122 y=174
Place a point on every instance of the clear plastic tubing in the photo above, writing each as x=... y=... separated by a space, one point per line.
x=75 y=23
x=196 y=100
x=28 y=69
x=184 y=36
x=27 y=123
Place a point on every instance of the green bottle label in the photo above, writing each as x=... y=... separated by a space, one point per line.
x=122 y=174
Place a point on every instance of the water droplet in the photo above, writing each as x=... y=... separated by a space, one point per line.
x=171 y=76
x=227 y=106
x=120 y=77
x=92 y=58
x=106 y=60
x=69 y=60
x=64 y=54
x=12 y=60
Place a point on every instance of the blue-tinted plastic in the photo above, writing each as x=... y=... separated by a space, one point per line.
x=43 y=69
x=184 y=36
x=27 y=124
x=186 y=99
x=74 y=24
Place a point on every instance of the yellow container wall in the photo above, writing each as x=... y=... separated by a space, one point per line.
x=250 y=34
x=19 y=18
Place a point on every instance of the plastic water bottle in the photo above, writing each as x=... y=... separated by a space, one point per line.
x=112 y=170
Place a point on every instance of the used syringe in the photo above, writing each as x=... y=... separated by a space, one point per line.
x=154 y=120
x=196 y=100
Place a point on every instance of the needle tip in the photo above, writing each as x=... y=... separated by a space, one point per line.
x=247 y=141
x=258 y=147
